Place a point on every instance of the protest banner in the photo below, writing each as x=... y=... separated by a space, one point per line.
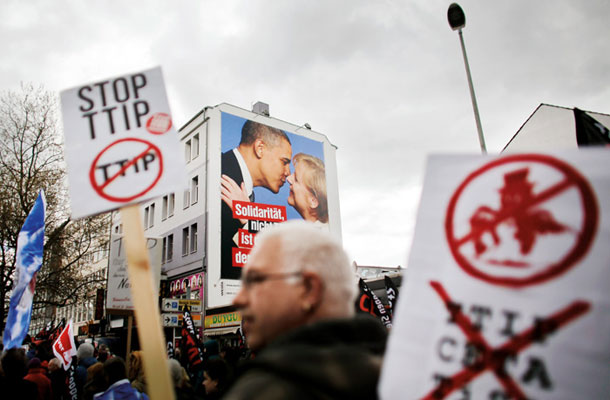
x=507 y=295
x=118 y=136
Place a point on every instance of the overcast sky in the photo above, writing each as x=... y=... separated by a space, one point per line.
x=384 y=80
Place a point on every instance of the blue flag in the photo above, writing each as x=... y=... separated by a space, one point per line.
x=29 y=260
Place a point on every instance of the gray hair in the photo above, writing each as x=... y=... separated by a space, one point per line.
x=305 y=247
x=175 y=371
x=85 y=350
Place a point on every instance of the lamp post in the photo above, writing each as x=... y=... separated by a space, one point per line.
x=457 y=20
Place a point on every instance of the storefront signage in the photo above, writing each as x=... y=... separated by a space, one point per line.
x=220 y=320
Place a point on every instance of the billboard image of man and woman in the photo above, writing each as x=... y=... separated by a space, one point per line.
x=268 y=176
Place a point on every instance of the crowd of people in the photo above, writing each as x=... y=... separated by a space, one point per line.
x=303 y=337
x=99 y=374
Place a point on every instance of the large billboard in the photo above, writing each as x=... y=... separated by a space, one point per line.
x=269 y=172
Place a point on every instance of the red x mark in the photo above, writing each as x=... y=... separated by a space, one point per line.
x=494 y=358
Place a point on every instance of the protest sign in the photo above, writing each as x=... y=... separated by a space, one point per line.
x=507 y=295
x=119 y=140
x=118 y=136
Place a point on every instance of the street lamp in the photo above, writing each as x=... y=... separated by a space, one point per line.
x=457 y=20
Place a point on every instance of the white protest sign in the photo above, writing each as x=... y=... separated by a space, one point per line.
x=119 y=296
x=120 y=143
x=507 y=293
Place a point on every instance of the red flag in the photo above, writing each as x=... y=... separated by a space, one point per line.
x=64 y=347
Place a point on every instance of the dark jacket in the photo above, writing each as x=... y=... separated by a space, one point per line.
x=80 y=374
x=17 y=389
x=229 y=167
x=334 y=359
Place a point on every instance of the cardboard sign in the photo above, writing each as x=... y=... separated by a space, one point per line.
x=507 y=295
x=119 y=295
x=120 y=143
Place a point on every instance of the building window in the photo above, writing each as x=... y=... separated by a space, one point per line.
x=169 y=250
x=185 y=241
x=187 y=199
x=187 y=151
x=164 y=208
x=170 y=206
x=194 y=190
x=151 y=222
x=146 y=216
x=193 y=238
x=195 y=146
x=164 y=251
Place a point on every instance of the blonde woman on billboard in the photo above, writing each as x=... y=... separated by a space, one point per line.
x=308 y=188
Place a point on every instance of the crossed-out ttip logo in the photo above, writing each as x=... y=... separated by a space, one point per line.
x=521 y=220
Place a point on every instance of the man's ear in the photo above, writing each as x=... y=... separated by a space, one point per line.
x=259 y=148
x=313 y=291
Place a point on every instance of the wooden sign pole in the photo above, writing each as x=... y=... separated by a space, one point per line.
x=145 y=300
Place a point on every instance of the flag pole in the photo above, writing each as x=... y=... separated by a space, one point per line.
x=475 y=107
x=145 y=300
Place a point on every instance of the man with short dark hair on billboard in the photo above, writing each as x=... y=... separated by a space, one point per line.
x=262 y=158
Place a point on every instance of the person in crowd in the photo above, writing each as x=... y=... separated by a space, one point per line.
x=135 y=371
x=57 y=375
x=182 y=388
x=231 y=355
x=262 y=158
x=119 y=388
x=211 y=349
x=85 y=358
x=102 y=353
x=12 y=384
x=296 y=300
x=216 y=377
x=96 y=381
x=308 y=188
x=38 y=375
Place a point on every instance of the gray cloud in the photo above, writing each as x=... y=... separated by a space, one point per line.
x=383 y=80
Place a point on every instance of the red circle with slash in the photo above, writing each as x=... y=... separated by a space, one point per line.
x=117 y=146
x=571 y=179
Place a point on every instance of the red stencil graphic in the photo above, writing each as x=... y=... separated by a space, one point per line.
x=493 y=359
x=521 y=220
x=139 y=173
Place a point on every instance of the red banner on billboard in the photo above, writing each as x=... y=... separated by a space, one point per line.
x=240 y=256
x=260 y=212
